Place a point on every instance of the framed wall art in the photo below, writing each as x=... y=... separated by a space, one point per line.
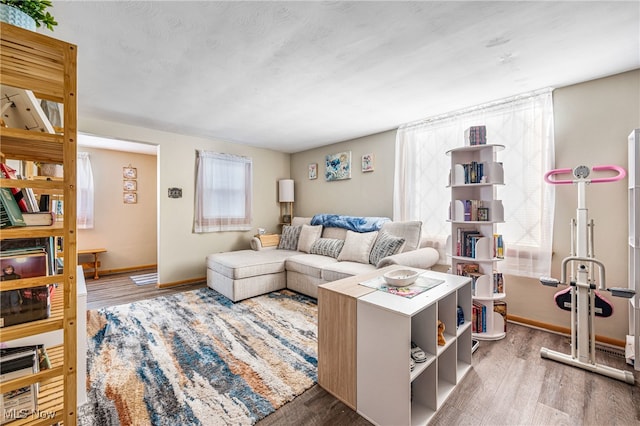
x=338 y=166
x=129 y=185
x=129 y=172
x=313 y=171
x=367 y=163
x=130 y=197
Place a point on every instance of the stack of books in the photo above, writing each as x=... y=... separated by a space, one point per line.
x=14 y=364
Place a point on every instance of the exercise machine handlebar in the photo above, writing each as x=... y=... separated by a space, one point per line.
x=621 y=175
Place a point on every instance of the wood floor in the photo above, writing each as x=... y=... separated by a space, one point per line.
x=509 y=384
x=117 y=289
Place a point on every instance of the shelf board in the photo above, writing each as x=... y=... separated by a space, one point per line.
x=46 y=185
x=475 y=259
x=55 y=230
x=421 y=366
x=19 y=144
x=489 y=336
x=50 y=389
x=468 y=148
x=472 y=185
x=421 y=414
x=495 y=296
x=30 y=282
x=53 y=323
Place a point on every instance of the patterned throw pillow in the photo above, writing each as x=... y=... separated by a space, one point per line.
x=327 y=247
x=385 y=245
x=289 y=237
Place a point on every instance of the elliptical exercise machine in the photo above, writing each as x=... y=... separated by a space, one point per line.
x=582 y=297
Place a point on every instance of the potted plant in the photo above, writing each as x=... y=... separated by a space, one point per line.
x=35 y=9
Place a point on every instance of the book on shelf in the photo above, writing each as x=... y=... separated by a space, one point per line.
x=24 y=304
x=14 y=364
x=32 y=203
x=479 y=313
x=498 y=246
x=44 y=203
x=475 y=135
x=10 y=214
x=8 y=173
x=501 y=308
x=25 y=246
x=473 y=172
x=498 y=282
x=39 y=218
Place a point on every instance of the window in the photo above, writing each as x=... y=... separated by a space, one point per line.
x=84 y=192
x=524 y=125
x=223 y=192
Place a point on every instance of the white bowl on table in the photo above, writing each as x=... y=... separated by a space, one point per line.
x=401 y=277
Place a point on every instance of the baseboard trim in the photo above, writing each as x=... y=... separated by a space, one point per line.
x=561 y=330
x=120 y=270
x=183 y=282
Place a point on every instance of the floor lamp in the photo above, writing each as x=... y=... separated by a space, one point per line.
x=286 y=198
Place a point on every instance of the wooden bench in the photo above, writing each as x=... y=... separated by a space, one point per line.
x=95 y=263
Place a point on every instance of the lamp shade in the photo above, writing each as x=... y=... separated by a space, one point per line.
x=285 y=191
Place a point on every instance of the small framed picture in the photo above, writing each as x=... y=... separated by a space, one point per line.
x=286 y=218
x=313 y=171
x=130 y=197
x=367 y=163
x=130 y=185
x=483 y=214
x=129 y=172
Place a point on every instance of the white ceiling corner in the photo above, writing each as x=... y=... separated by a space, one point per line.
x=291 y=76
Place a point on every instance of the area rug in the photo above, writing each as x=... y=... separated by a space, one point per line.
x=144 y=279
x=196 y=358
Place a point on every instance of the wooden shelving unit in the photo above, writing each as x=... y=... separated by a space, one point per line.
x=47 y=67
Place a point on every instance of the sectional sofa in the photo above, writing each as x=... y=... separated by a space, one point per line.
x=310 y=254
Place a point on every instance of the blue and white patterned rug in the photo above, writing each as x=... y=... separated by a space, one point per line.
x=196 y=358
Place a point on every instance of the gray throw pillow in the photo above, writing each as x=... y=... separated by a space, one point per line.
x=327 y=247
x=289 y=237
x=385 y=245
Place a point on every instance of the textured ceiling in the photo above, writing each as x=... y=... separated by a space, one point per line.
x=292 y=76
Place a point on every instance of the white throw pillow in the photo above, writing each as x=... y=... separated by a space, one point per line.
x=357 y=246
x=308 y=235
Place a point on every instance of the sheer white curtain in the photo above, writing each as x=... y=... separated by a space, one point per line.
x=524 y=125
x=85 y=192
x=223 y=192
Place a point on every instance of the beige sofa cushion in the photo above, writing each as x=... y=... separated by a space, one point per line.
x=299 y=221
x=337 y=233
x=410 y=231
x=308 y=235
x=357 y=246
x=309 y=264
x=248 y=263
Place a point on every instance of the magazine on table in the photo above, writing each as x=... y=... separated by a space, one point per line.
x=420 y=285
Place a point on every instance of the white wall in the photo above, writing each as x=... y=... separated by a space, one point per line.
x=365 y=194
x=181 y=253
